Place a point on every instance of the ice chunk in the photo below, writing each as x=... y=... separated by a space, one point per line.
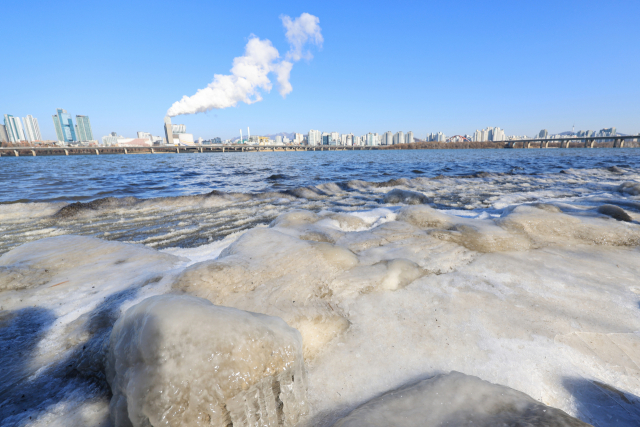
x=631 y=188
x=270 y=272
x=346 y=222
x=456 y=399
x=545 y=227
x=615 y=212
x=182 y=361
x=424 y=217
x=405 y=196
x=295 y=218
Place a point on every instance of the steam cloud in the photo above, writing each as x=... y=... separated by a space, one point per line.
x=250 y=72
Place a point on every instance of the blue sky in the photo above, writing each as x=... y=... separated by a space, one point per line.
x=452 y=66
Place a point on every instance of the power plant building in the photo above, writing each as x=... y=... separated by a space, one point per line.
x=168 y=130
x=177 y=134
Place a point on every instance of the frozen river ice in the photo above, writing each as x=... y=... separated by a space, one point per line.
x=521 y=270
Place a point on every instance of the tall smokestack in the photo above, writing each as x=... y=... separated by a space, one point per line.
x=168 y=130
x=240 y=136
x=248 y=133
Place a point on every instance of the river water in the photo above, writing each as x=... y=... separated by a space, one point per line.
x=520 y=267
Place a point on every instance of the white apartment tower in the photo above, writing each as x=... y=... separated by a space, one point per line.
x=13 y=127
x=408 y=139
x=314 y=138
x=31 y=129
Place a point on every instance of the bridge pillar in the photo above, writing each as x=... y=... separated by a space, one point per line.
x=153 y=151
x=223 y=149
x=97 y=153
x=33 y=152
x=201 y=150
x=16 y=153
x=621 y=143
x=125 y=151
x=66 y=152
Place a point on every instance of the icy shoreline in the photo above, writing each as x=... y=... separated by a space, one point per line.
x=542 y=298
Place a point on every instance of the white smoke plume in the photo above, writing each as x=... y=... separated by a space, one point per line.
x=250 y=72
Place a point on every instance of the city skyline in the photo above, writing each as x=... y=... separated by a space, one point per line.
x=460 y=75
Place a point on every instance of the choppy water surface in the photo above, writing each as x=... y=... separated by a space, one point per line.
x=187 y=200
x=84 y=178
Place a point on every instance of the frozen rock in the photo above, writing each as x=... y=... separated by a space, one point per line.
x=456 y=399
x=182 y=361
x=405 y=196
x=631 y=188
x=615 y=212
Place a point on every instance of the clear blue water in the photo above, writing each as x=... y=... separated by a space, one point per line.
x=85 y=178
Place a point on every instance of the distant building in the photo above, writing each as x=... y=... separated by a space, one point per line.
x=398 y=138
x=298 y=138
x=585 y=133
x=13 y=128
x=373 y=139
x=278 y=139
x=111 y=139
x=65 y=130
x=489 y=134
x=607 y=132
x=314 y=138
x=437 y=137
x=408 y=138
x=168 y=130
x=83 y=124
x=179 y=129
x=3 y=134
x=543 y=134
x=387 y=138
x=31 y=129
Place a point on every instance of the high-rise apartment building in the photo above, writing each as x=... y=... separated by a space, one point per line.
x=314 y=138
x=398 y=138
x=298 y=138
x=14 y=128
x=387 y=138
x=489 y=134
x=84 y=128
x=32 y=129
x=543 y=134
x=408 y=138
x=65 y=130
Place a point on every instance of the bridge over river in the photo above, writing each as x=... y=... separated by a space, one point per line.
x=583 y=142
x=573 y=142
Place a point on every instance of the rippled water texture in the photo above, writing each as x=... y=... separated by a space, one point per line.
x=82 y=178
